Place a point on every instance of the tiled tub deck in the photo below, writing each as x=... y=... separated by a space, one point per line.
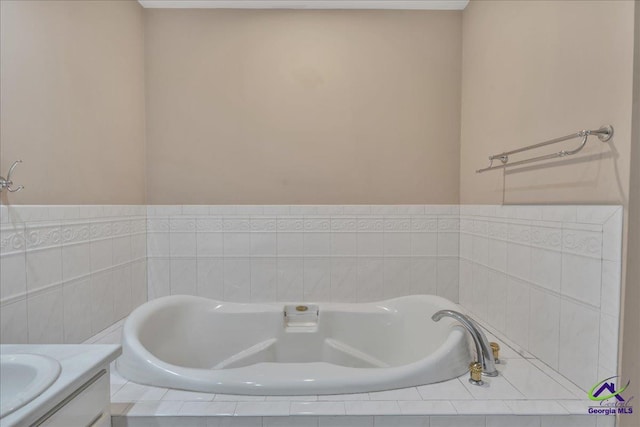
x=527 y=393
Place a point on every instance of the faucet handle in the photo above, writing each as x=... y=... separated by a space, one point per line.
x=475 y=373
x=495 y=348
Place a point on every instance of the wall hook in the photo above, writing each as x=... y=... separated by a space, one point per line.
x=8 y=183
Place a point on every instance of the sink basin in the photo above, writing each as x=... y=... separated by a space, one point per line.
x=23 y=377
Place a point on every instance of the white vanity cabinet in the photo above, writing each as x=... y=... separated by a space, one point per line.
x=86 y=406
x=79 y=396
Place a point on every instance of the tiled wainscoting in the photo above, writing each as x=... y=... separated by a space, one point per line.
x=68 y=272
x=311 y=253
x=548 y=278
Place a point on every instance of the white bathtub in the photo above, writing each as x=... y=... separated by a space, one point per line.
x=198 y=344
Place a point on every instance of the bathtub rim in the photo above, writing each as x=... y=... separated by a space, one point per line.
x=242 y=380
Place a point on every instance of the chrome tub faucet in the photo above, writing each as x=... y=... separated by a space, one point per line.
x=484 y=350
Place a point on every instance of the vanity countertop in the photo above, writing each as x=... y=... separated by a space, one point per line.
x=78 y=363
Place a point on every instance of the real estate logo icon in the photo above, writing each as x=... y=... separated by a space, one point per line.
x=596 y=392
x=611 y=401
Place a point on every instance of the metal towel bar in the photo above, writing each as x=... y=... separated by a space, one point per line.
x=604 y=134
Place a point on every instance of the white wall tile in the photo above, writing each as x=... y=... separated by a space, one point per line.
x=237 y=279
x=209 y=244
x=544 y=326
x=480 y=249
x=473 y=407
x=466 y=283
x=497 y=255
x=290 y=244
x=370 y=244
x=102 y=301
x=579 y=329
x=372 y=408
x=517 y=312
x=316 y=408
x=237 y=244
x=138 y=283
x=264 y=279
x=370 y=284
x=13 y=277
x=466 y=246
x=546 y=235
x=159 y=277
x=121 y=249
x=385 y=252
x=582 y=242
x=101 y=254
x=447 y=279
x=608 y=346
x=208 y=225
x=581 y=278
x=458 y=421
x=344 y=276
x=77 y=311
x=317 y=279
x=595 y=214
x=401 y=421
x=396 y=277
x=494 y=388
x=448 y=244
x=519 y=260
x=210 y=278
x=532 y=382
x=182 y=225
x=559 y=213
x=290 y=279
x=409 y=393
x=317 y=244
x=569 y=421
x=183 y=277
x=183 y=244
x=496 y=299
x=448 y=390
x=45 y=317
x=532 y=407
x=610 y=294
x=13 y=323
x=421 y=244
x=612 y=237
x=76 y=260
x=264 y=244
x=44 y=267
x=512 y=421
x=344 y=244
x=479 y=291
x=122 y=291
x=158 y=245
x=546 y=268
x=423 y=278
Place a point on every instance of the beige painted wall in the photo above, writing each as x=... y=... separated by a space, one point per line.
x=535 y=70
x=72 y=97
x=539 y=69
x=631 y=323
x=302 y=106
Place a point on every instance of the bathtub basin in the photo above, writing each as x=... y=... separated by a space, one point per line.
x=193 y=343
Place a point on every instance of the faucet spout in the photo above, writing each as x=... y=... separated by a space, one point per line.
x=483 y=349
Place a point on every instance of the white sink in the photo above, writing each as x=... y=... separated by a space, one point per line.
x=23 y=377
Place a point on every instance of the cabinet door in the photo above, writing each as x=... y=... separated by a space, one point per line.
x=89 y=406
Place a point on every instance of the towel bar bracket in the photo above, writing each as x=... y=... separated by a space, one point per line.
x=604 y=134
